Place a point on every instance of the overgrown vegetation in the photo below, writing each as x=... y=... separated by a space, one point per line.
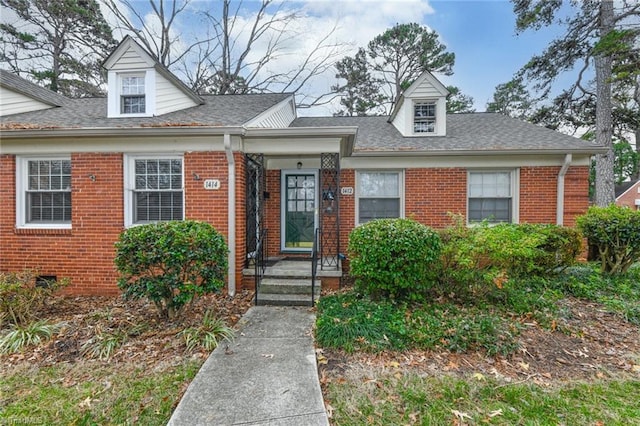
x=476 y=259
x=353 y=323
x=618 y=293
x=614 y=231
x=487 y=283
x=20 y=301
x=20 y=298
x=391 y=258
x=171 y=263
x=493 y=285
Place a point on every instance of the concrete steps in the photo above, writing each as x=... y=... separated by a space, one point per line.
x=287 y=291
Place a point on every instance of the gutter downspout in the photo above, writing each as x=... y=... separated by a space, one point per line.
x=560 y=191
x=231 y=215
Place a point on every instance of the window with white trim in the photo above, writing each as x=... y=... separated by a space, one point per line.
x=44 y=192
x=132 y=94
x=491 y=196
x=379 y=195
x=156 y=189
x=424 y=117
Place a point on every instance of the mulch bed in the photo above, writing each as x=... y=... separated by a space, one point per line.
x=156 y=344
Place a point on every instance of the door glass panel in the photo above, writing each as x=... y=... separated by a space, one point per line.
x=300 y=211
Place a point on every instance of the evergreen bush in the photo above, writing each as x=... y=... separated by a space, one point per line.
x=171 y=263
x=614 y=231
x=391 y=258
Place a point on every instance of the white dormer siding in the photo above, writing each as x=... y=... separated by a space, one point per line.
x=14 y=103
x=169 y=98
x=422 y=109
x=160 y=92
x=278 y=116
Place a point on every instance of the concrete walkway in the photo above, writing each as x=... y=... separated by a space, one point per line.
x=267 y=376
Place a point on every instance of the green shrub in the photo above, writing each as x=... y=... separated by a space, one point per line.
x=392 y=257
x=171 y=263
x=476 y=259
x=615 y=233
x=558 y=248
x=20 y=298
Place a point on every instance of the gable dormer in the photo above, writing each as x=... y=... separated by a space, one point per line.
x=18 y=95
x=422 y=108
x=139 y=86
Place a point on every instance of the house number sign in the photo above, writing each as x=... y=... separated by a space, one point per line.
x=346 y=190
x=212 y=184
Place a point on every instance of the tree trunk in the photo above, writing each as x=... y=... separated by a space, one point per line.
x=636 y=98
x=605 y=193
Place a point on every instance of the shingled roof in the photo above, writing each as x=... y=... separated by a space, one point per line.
x=20 y=85
x=217 y=110
x=466 y=133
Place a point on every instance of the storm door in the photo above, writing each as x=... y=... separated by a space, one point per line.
x=299 y=194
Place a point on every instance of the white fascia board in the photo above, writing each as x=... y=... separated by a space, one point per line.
x=124 y=45
x=301 y=140
x=510 y=161
x=338 y=131
x=413 y=153
x=121 y=140
x=119 y=132
x=426 y=75
x=268 y=112
x=292 y=146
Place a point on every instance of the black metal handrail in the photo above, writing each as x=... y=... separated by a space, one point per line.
x=314 y=265
x=259 y=262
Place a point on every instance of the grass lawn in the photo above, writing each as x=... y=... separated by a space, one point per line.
x=88 y=393
x=408 y=398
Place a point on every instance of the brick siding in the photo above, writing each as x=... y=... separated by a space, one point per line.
x=85 y=253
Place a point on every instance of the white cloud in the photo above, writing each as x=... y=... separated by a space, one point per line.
x=352 y=23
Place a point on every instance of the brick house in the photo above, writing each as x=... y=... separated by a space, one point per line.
x=628 y=194
x=74 y=173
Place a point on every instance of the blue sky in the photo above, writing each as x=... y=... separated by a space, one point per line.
x=481 y=33
x=488 y=51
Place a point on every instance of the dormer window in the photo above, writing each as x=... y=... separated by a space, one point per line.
x=132 y=94
x=424 y=117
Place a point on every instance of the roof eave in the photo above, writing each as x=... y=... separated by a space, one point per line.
x=302 y=131
x=122 y=131
x=407 y=153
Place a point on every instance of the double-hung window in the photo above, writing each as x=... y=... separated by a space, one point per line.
x=491 y=196
x=156 y=189
x=424 y=117
x=44 y=195
x=132 y=94
x=379 y=195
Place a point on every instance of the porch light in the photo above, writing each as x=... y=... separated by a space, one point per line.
x=299 y=165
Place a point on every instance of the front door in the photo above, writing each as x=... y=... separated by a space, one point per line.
x=299 y=192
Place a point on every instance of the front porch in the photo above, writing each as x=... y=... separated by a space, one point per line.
x=292 y=227
x=291 y=281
